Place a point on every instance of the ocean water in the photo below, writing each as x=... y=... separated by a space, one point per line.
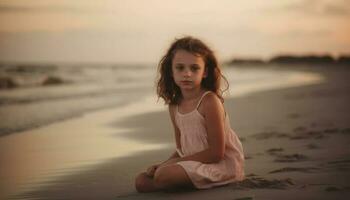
x=44 y=94
x=74 y=91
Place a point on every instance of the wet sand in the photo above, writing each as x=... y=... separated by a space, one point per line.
x=295 y=140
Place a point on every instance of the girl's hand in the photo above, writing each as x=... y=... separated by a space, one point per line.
x=152 y=169
x=171 y=161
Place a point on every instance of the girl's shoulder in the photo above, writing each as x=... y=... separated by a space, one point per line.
x=209 y=102
x=211 y=97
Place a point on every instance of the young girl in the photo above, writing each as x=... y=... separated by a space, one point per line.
x=208 y=151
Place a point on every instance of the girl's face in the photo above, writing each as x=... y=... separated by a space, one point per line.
x=188 y=70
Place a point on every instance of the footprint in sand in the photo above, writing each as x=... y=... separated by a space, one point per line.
x=308 y=135
x=262 y=183
x=274 y=150
x=290 y=158
x=250 y=175
x=269 y=134
x=245 y=198
x=312 y=146
x=339 y=165
x=346 y=161
x=295 y=169
x=299 y=128
x=302 y=133
x=337 y=189
x=345 y=131
x=331 y=130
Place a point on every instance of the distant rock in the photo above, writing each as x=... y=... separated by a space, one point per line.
x=327 y=60
x=246 y=61
x=306 y=59
x=32 y=68
x=344 y=60
x=7 y=83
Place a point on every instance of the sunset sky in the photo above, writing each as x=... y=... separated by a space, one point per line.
x=139 y=31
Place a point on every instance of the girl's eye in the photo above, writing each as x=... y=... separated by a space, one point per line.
x=179 y=67
x=194 y=68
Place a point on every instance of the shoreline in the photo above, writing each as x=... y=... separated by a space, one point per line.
x=26 y=122
x=244 y=120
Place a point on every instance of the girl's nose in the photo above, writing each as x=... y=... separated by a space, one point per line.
x=187 y=73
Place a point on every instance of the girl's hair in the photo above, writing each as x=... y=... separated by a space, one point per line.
x=166 y=87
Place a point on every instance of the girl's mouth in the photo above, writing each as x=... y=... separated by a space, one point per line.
x=186 y=82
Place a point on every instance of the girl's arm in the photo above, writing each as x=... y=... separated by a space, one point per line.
x=176 y=129
x=152 y=169
x=214 y=118
x=175 y=155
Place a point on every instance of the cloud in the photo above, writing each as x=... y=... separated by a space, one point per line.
x=46 y=9
x=320 y=7
x=336 y=10
x=308 y=34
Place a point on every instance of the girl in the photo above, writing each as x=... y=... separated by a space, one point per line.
x=208 y=152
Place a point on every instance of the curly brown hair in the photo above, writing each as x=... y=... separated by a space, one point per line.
x=166 y=87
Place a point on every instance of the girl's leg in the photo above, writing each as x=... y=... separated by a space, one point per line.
x=145 y=183
x=172 y=176
x=167 y=177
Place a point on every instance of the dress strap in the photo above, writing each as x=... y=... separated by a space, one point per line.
x=200 y=100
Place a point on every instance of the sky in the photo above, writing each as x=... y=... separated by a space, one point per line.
x=140 y=31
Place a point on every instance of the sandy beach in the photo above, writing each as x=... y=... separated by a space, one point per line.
x=296 y=143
